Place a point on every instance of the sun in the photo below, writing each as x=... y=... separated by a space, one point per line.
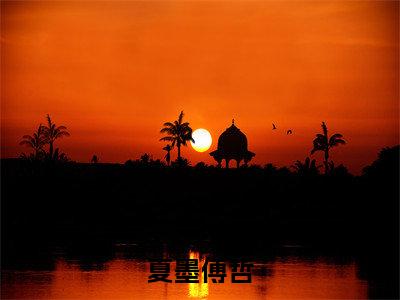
x=202 y=140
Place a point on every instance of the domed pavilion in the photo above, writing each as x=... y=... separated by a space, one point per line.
x=232 y=144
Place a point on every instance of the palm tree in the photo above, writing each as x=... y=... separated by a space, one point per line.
x=167 y=157
x=35 y=141
x=324 y=143
x=178 y=133
x=53 y=132
x=309 y=167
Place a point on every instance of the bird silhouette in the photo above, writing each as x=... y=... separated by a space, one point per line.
x=289 y=131
x=273 y=126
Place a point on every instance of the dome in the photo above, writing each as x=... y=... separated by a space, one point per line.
x=232 y=144
x=232 y=141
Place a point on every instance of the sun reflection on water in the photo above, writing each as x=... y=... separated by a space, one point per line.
x=125 y=278
x=198 y=290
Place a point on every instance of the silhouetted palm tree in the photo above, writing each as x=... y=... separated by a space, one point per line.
x=178 y=133
x=53 y=132
x=35 y=141
x=167 y=157
x=324 y=143
x=309 y=167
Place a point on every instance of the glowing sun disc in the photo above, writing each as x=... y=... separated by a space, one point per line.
x=202 y=140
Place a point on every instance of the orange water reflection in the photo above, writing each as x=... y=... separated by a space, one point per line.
x=127 y=279
x=198 y=290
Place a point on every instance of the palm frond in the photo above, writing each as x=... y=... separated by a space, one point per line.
x=61 y=134
x=336 y=136
x=168 y=124
x=167 y=130
x=48 y=121
x=27 y=143
x=324 y=129
x=180 y=117
x=317 y=147
x=28 y=137
x=167 y=148
x=337 y=142
x=167 y=138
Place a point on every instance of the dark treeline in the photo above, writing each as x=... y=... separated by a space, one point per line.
x=145 y=196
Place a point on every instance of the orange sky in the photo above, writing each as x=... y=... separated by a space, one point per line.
x=113 y=72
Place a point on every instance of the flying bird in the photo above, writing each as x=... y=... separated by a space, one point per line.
x=273 y=126
x=289 y=131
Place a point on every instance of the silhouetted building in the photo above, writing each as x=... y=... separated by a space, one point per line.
x=232 y=144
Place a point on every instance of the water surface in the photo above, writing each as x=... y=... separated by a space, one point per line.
x=125 y=277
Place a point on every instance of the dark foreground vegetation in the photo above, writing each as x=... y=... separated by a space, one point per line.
x=243 y=210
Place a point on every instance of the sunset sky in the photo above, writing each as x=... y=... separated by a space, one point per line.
x=113 y=72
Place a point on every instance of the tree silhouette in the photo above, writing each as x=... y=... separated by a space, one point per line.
x=309 y=167
x=35 y=141
x=339 y=170
x=59 y=156
x=181 y=163
x=324 y=143
x=94 y=159
x=145 y=159
x=201 y=165
x=270 y=168
x=178 y=133
x=167 y=157
x=386 y=165
x=53 y=132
